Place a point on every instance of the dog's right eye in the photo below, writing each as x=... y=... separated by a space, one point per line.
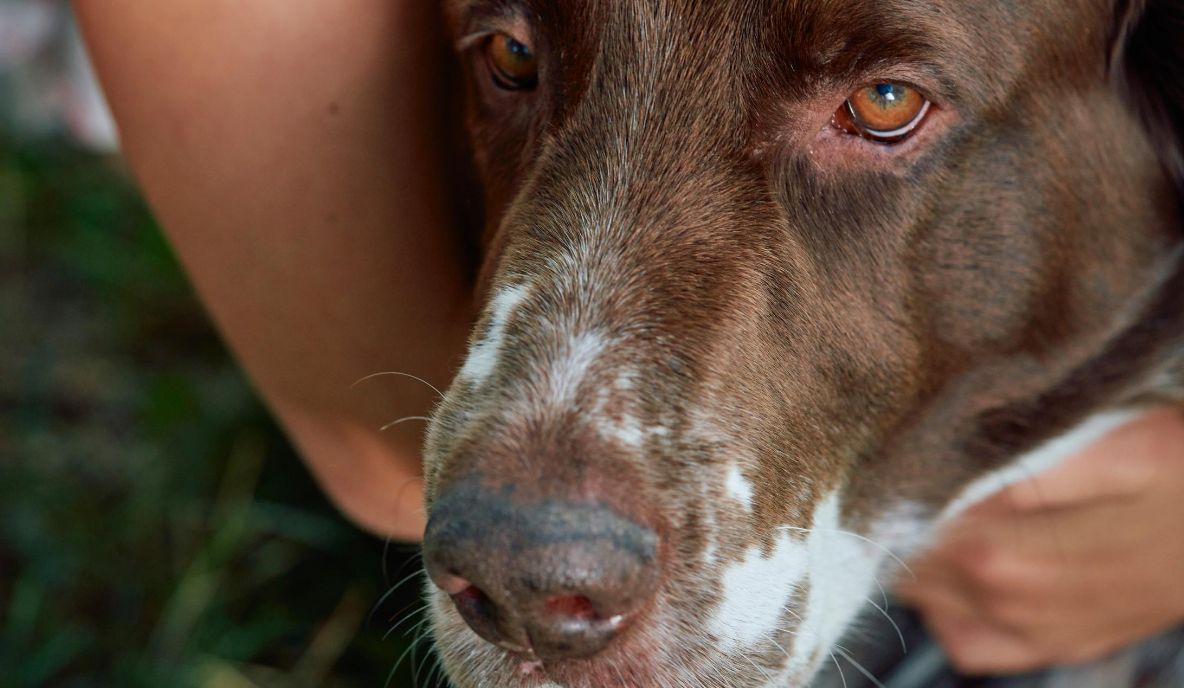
x=884 y=112
x=511 y=63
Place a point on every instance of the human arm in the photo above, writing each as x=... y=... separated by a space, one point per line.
x=289 y=151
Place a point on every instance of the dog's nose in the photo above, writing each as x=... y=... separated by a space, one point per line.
x=552 y=579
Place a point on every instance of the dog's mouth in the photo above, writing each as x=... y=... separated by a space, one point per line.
x=659 y=652
x=633 y=659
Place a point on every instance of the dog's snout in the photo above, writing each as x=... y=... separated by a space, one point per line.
x=550 y=579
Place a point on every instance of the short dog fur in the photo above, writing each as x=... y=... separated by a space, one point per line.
x=784 y=349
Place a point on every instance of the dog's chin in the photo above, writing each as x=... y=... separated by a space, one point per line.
x=635 y=661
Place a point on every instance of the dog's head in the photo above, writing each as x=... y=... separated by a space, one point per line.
x=767 y=284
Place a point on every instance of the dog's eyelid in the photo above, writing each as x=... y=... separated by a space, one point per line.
x=472 y=40
x=476 y=37
x=479 y=24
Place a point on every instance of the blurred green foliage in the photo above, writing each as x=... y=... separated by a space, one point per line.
x=155 y=527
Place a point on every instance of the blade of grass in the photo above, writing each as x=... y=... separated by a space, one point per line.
x=331 y=641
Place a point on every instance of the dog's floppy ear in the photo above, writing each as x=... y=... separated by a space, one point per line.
x=1147 y=65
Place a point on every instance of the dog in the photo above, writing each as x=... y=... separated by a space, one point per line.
x=771 y=290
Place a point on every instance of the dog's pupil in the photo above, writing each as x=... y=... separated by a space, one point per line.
x=888 y=95
x=518 y=50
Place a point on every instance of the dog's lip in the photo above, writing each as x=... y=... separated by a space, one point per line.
x=530 y=671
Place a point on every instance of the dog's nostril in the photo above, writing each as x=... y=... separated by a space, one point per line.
x=483 y=616
x=472 y=602
x=572 y=607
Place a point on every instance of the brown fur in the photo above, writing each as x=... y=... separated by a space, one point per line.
x=891 y=323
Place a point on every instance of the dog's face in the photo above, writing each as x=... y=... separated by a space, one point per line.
x=765 y=282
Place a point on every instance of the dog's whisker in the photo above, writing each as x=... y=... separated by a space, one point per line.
x=414 y=630
x=408 y=611
x=440 y=677
x=857 y=536
x=406 y=617
x=757 y=667
x=394 y=588
x=406 y=419
x=395 y=373
x=798 y=632
x=842 y=676
x=410 y=615
x=858 y=667
x=880 y=587
x=414 y=557
x=420 y=638
x=430 y=657
x=399 y=661
x=777 y=645
x=884 y=612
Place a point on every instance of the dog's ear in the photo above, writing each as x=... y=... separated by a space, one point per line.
x=1147 y=65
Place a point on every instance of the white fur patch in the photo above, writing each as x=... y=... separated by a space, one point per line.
x=1041 y=459
x=570 y=368
x=904 y=529
x=843 y=566
x=756 y=592
x=839 y=569
x=628 y=432
x=625 y=427
x=483 y=356
x=739 y=487
x=709 y=553
x=842 y=571
x=712 y=535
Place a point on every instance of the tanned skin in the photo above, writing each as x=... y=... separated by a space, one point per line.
x=291 y=153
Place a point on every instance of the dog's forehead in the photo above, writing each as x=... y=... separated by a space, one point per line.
x=810 y=38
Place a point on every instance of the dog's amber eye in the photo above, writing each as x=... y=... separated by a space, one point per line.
x=512 y=63
x=883 y=112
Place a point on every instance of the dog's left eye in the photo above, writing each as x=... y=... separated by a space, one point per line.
x=511 y=62
x=886 y=112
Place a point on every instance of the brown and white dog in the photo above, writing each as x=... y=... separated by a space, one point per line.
x=773 y=287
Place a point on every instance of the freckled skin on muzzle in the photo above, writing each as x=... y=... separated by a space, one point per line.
x=737 y=352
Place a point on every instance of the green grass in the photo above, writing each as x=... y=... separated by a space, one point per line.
x=155 y=527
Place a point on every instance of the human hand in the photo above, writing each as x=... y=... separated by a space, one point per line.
x=1066 y=567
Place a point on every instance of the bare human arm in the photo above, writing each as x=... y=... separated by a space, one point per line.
x=290 y=151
